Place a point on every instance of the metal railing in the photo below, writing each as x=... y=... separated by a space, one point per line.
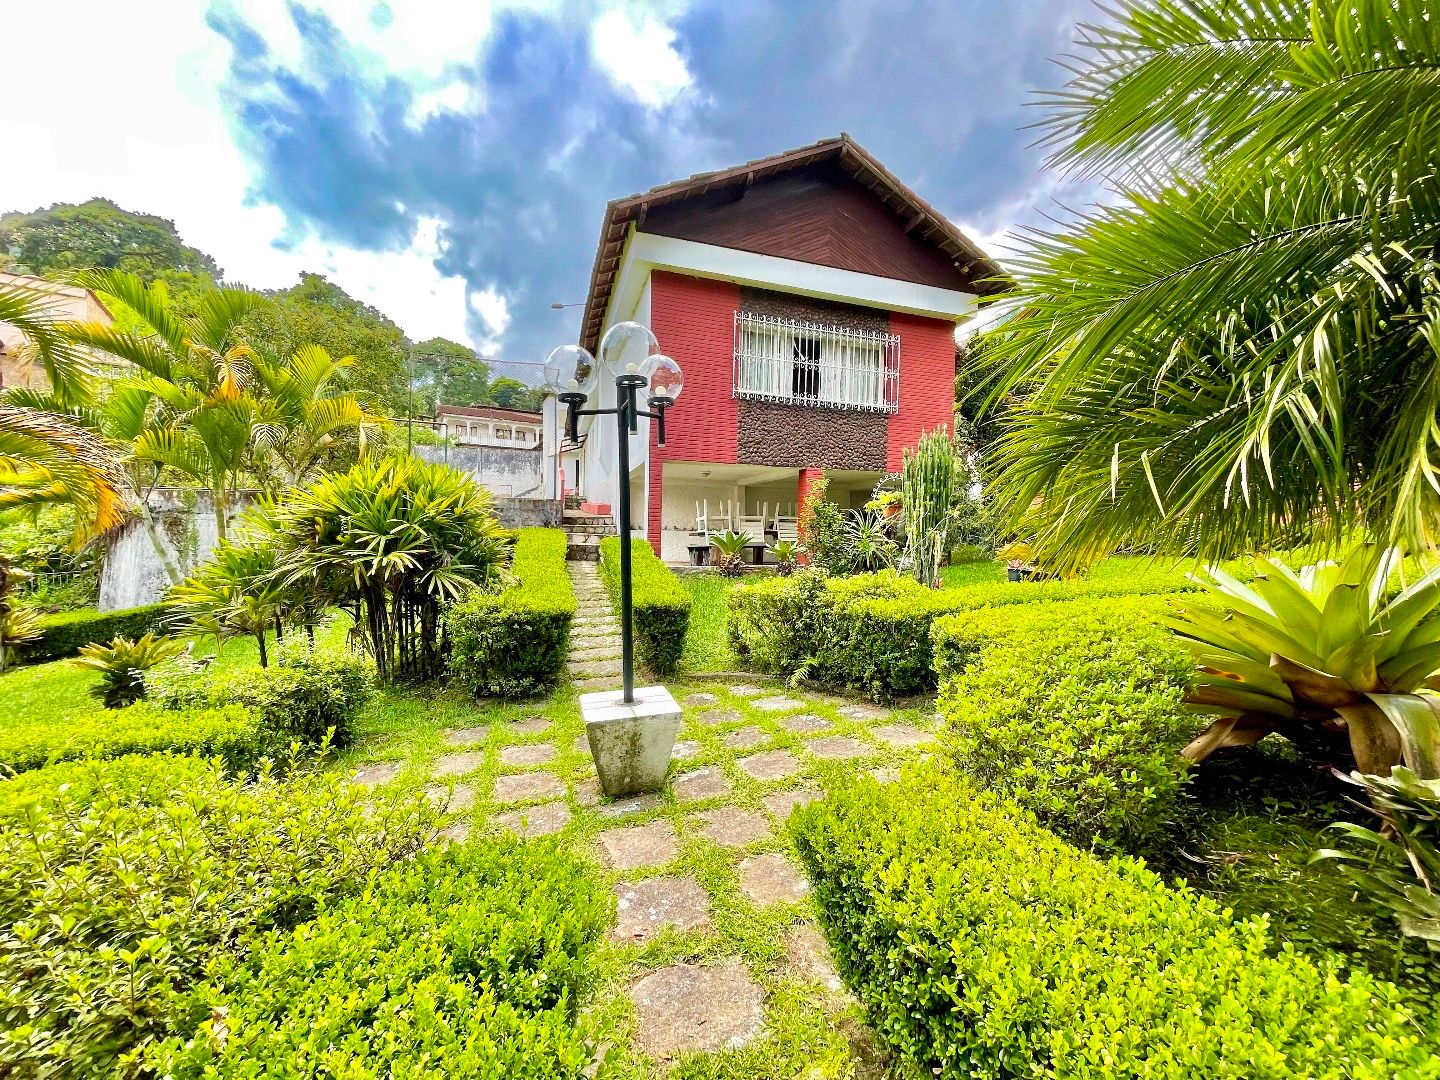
x=805 y=363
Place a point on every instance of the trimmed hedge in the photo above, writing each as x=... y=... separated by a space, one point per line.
x=133 y=778
x=232 y=732
x=1072 y=710
x=67 y=633
x=661 y=603
x=513 y=644
x=305 y=694
x=118 y=894
x=466 y=963
x=982 y=945
x=871 y=632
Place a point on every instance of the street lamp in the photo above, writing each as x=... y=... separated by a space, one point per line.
x=630 y=352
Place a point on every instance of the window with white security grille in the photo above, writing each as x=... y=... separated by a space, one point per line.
x=805 y=363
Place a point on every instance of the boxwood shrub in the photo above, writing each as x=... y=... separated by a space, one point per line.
x=467 y=962
x=513 y=644
x=232 y=732
x=142 y=778
x=871 y=632
x=118 y=894
x=305 y=693
x=67 y=633
x=661 y=603
x=982 y=945
x=1073 y=710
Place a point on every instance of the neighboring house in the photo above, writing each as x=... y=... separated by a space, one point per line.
x=811 y=299
x=66 y=303
x=500 y=448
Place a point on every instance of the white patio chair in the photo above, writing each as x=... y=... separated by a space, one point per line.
x=787 y=528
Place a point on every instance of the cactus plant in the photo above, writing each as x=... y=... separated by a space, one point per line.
x=931 y=478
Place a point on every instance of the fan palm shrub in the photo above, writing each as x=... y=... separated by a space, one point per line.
x=236 y=592
x=730 y=551
x=395 y=540
x=1244 y=340
x=787 y=556
x=1325 y=657
x=122 y=664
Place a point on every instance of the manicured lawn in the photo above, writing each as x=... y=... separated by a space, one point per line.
x=971 y=573
x=706 y=645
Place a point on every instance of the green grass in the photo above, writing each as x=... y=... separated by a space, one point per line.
x=706 y=645
x=57 y=691
x=971 y=573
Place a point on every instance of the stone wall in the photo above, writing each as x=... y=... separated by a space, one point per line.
x=133 y=573
x=509 y=472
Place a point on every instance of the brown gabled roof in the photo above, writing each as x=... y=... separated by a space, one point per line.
x=931 y=225
x=489 y=412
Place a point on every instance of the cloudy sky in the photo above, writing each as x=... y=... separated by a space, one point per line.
x=449 y=160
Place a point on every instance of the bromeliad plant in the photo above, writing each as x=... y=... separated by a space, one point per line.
x=123 y=663
x=787 y=556
x=1400 y=866
x=1323 y=656
x=730 y=551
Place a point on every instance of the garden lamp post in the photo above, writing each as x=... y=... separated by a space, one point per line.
x=630 y=352
x=630 y=732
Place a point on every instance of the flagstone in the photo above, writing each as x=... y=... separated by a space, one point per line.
x=687 y=748
x=458 y=764
x=772 y=879
x=624 y=807
x=744 y=691
x=781 y=803
x=837 y=747
x=745 y=738
x=706 y=783
x=381 y=772
x=902 y=736
x=520 y=787
x=685 y=1007
x=531 y=725
x=539 y=820
x=855 y=711
x=453 y=798
x=771 y=765
x=651 y=844
x=703 y=697
x=778 y=703
x=807 y=954
x=732 y=827
x=805 y=723
x=714 y=717
x=467 y=736
x=646 y=907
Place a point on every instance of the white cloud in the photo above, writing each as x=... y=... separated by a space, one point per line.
x=638 y=53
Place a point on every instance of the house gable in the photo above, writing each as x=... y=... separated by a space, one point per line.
x=818 y=214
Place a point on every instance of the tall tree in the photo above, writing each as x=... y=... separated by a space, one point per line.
x=97 y=234
x=1246 y=340
x=319 y=312
x=445 y=372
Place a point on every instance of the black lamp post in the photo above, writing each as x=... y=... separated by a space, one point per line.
x=632 y=354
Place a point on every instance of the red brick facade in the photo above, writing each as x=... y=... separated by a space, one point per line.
x=693 y=318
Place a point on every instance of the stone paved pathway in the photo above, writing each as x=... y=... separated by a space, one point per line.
x=715 y=952
x=594 y=661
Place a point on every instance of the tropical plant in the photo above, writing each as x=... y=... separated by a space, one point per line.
x=123 y=663
x=822 y=529
x=1243 y=339
x=189 y=406
x=1399 y=867
x=303 y=409
x=869 y=545
x=1325 y=657
x=932 y=479
x=787 y=556
x=395 y=540
x=236 y=592
x=730 y=551
x=18 y=625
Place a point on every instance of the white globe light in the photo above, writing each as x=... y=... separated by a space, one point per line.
x=666 y=378
x=625 y=344
x=569 y=369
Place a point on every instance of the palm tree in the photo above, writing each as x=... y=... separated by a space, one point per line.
x=305 y=408
x=189 y=405
x=1245 y=342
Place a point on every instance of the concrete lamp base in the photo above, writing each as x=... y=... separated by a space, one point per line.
x=631 y=744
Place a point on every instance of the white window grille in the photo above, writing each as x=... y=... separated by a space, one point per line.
x=804 y=363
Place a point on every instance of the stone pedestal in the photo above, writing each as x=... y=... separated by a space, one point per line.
x=631 y=744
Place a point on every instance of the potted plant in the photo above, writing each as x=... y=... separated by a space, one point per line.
x=1017 y=560
x=730 y=551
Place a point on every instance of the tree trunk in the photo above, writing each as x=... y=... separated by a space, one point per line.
x=218 y=495
x=157 y=543
x=260 y=640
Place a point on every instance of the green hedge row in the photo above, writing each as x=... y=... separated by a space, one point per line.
x=67 y=633
x=237 y=734
x=466 y=963
x=984 y=946
x=871 y=632
x=661 y=603
x=1073 y=710
x=305 y=694
x=122 y=882
x=513 y=644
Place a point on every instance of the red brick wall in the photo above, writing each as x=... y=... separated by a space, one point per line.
x=927 y=381
x=694 y=320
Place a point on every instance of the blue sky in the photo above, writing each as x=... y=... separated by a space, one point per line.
x=450 y=163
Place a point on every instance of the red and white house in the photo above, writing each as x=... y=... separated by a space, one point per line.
x=811 y=299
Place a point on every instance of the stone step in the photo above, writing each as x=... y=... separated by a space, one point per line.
x=598 y=682
x=590 y=668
